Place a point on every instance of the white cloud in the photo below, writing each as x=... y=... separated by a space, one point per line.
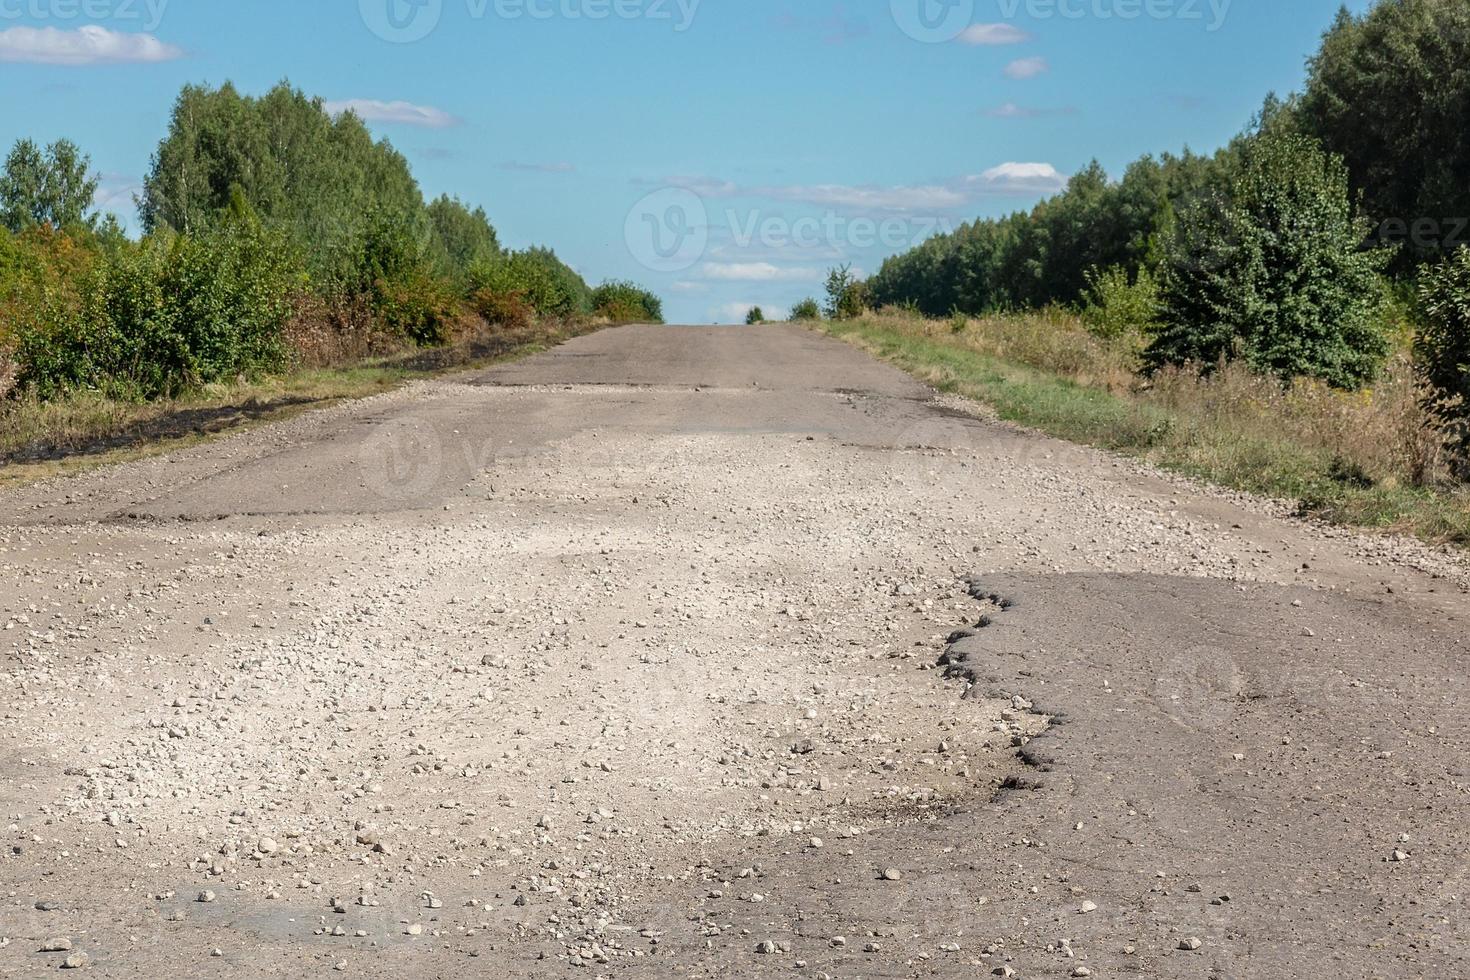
x=1024 y=68
x=89 y=45
x=1018 y=178
x=757 y=272
x=993 y=34
x=403 y=113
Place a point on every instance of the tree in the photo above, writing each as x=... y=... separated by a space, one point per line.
x=1276 y=273
x=847 y=296
x=319 y=179
x=1033 y=258
x=53 y=188
x=755 y=316
x=461 y=237
x=1389 y=92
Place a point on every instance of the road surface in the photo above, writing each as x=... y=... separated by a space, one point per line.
x=660 y=655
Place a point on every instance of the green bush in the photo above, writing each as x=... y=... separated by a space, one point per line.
x=1442 y=348
x=625 y=302
x=848 y=297
x=547 y=283
x=504 y=309
x=389 y=264
x=1116 y=304
x=755 y=316
x=1275 y=274
x=155 y=317
x=806 y=310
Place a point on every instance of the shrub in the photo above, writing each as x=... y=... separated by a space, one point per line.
x=1443 y=350
x=755 y=316
x=547 y=283
x=388 y=264
x=625 y=302
x=1116 y=304
x=847 y=296
x=166 y=313
x=806 y=310
x=504 y=309
x=1276 y=273
x=416 y=305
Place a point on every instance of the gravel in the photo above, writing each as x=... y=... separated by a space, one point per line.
x=639 y=652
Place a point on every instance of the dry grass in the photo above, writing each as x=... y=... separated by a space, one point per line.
x=1050 y=340
x=8 y=371
x=1371 y=458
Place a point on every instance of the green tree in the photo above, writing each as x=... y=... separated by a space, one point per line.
x=1276 y=273
x=318 y=178
x=1389 y=92
x=460 y=237
x=1033 y=258
x=755 y=316
x=1117 y=304
x=55 y=187
x=847 y=296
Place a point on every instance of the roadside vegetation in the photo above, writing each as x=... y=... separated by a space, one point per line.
x=279 y=242
x=1290 y=315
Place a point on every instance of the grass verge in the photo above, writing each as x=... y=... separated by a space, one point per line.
x=1367 y=460
x=52 y=438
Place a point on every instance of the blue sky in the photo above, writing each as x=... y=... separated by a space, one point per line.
x=723 y=152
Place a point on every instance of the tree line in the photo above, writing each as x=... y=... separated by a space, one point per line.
x=273 y=231
x=1304 y=246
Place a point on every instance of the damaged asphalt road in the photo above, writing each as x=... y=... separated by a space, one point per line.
x=660 y=655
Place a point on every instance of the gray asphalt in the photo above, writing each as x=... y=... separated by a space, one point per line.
x=1279 y=770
